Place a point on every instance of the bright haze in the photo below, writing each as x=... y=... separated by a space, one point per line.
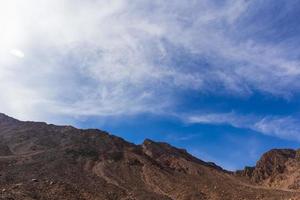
x=219 y=78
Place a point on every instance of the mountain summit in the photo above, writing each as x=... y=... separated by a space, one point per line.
x=42 y=161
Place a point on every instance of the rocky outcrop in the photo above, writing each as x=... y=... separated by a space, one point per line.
x=272 y=163
x=278 y=168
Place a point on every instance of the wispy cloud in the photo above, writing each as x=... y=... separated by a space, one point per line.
x=286 y=127
x=102 y=58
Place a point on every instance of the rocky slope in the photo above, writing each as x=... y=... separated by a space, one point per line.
x=278 y=168
x=41 y=161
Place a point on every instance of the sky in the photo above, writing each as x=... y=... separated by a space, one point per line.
x=218 y=78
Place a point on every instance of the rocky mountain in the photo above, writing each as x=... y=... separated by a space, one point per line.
x=44 y=161
x=278 y=169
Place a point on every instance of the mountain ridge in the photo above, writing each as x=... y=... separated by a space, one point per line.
x=45 y=161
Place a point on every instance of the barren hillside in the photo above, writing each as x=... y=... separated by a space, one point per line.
x=42 y=161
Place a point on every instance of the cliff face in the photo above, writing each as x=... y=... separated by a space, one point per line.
x=41 y=161
x=278 y=168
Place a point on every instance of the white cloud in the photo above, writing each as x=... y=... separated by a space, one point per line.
x=117 y=57
x=286 y=127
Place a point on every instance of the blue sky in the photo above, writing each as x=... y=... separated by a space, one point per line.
x=219 y=78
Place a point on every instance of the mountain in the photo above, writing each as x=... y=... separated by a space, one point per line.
x=44 y=161
x=278 y=169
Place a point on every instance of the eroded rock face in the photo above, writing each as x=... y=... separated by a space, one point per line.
x=272 y=164
x=41 y=161
x=278 y=168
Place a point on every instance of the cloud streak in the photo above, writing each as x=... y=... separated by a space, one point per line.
x=286 y=127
